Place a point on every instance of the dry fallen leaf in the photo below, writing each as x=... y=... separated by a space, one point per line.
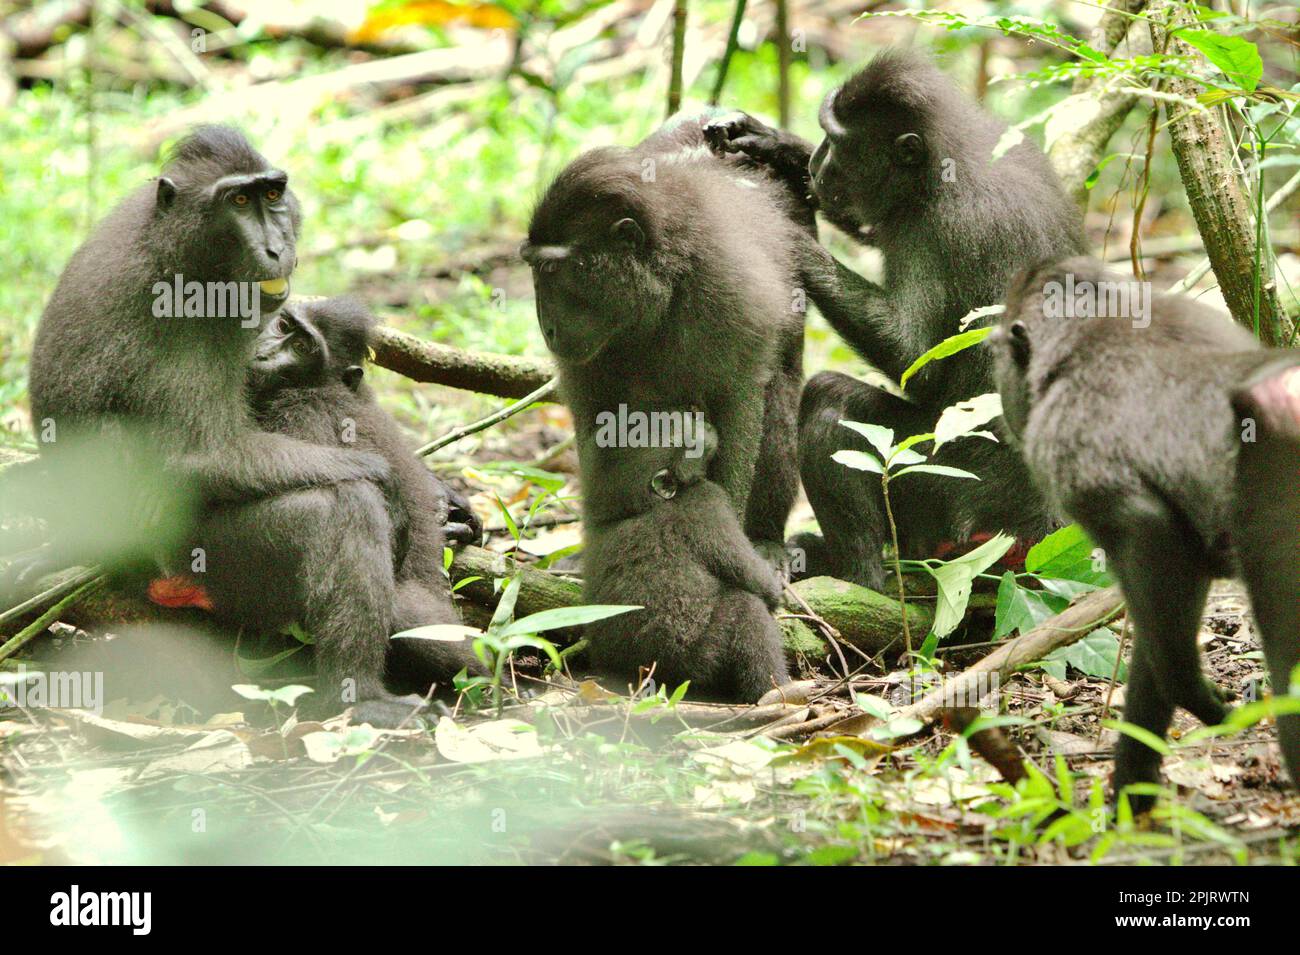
x=484 y=742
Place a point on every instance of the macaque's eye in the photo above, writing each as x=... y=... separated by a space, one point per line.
x=283 y=326
x=300 y=346
x=273 y=195
x=548 y=267
x=240 y=199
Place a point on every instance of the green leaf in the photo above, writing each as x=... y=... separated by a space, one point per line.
x=442 y=632
x=1238 y=59
x=963 y=418
x=859 y=461
x=915 y=439
x=1066 y=554
x=561 y=617
x=949 y=346
x=1097 y=170
x=552 y=483
x=1094 y=655
x=506 y=605
x=558 y=555
x=511 y=526
x=941 y=469
x=956 y=576
x=1139 y=734
x=882 y=439
x=904 y=456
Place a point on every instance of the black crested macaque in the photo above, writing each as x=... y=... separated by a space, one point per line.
x=907 y=166
x=291 y=531
x=1132 y=416
x=666 y=538
x=652 y=298
x=1266 y=525
x=307 y=380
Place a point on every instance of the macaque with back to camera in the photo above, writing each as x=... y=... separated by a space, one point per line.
x=660 y=535
x=307 y=380
x=907 y=166
x=289 y=531
x=1172 y=437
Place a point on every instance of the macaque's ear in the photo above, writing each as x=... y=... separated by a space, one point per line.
x=909 y=149
x=627 y=231
x=1018 y=339
x=353 y=376
x=166 y=192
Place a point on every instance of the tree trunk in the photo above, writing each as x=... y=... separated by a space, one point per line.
x=1221 y=209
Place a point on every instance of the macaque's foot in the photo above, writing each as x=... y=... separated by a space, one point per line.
x=389 y=712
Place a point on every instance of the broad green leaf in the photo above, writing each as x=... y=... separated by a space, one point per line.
x=955 y=578
x=1066 y=554
x=562 y=617
x=965 y=417
x=949 y=346
x=1094 y=655
x=858 y=460
x=882 y=439
x=1021 y=609
x=941 y=469
x=904 y=456
x=1238 y=59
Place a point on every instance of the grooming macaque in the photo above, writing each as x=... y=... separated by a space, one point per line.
x=1171 y=436
x=291 y=531
x=307 y=381
x=907 y=165
x=669 y=541
x=665 y=279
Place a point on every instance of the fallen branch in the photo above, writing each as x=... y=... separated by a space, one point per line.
x=1071 y=624
x=484 y=372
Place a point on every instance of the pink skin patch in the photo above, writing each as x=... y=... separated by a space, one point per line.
x=1278 y=399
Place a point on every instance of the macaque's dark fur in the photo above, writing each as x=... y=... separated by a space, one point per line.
x=707 y=593
x=319 y=395
x=679 y=294
x=949 y=247
x=1132 y=432
x=292 y=531
x=1266 y=524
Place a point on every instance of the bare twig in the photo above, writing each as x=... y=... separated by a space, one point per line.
x=509 y=411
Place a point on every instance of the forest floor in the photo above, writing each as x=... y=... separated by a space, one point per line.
x=566 y=772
